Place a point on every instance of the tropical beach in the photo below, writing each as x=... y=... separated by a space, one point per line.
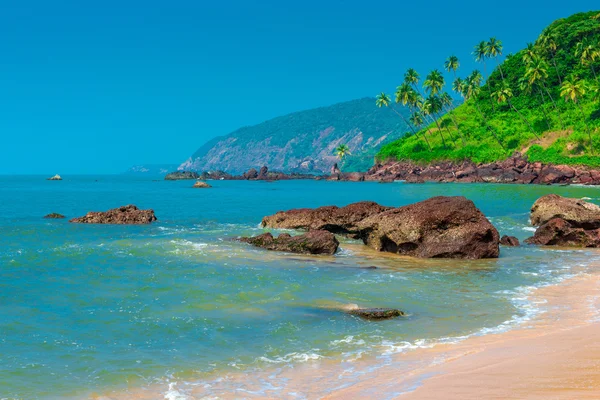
x=184 y=216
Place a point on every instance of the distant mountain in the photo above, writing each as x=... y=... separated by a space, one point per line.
x=303 y=141
x=151 y=169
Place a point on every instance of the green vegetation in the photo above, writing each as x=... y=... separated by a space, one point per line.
x=543 y=100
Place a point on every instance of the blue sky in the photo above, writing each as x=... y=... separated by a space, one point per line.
x=95 y=87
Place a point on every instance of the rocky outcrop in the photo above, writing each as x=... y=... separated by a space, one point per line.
x=201 y=185
x=129 y=214
x=509 y=241
x=440 y=227
x=54 y=216
x=376 y=314
x=181 y=175
x=313 y=242
x=565 y=222
x=55 y=178
x=338 y=220
x=575 y=211
x=515 y=169
x=251 y=174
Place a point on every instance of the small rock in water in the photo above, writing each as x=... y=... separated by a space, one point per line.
x=369 y=267
x=55 y=178
x=54 y=216
x=202 y=185
x=129 y=215
x=510 y=241
x=376 y=314
x=313 y=242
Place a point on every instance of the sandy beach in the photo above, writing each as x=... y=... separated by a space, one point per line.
x=554 y=356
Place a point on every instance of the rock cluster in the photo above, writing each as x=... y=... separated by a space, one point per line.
x=313 y=242
x=181 y=175
x=515 y=169
x=442 y=227
x=129 y=214
x=55 y=178
x=565 y=222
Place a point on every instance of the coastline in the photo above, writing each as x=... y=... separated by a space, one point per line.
x=553 y=355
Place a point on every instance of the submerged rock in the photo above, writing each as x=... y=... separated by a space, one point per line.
x=510 y=241
x=54 y=216
x=565 y=222
x=313 y=242
x=339 y=220
x=201 y=184
x=376 y=314
x=129 y=214
x=181 y=175
x=55 y=178
x=440 y=227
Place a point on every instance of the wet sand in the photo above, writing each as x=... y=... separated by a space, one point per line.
x=555 y=356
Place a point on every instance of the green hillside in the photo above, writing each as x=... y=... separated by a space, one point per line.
x=543 y=100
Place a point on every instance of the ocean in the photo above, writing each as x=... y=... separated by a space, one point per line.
x=100 y=308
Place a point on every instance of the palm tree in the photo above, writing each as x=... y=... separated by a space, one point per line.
x=383 y=100
x=549 y=45
x=412 y=78
x=537 y=72
x=494 y=49
x=503 y=95
x=481 y=53
x=429 y=107
x=529 y=54
x=471 y=90
x=446 y=101
x=452 y=64
x=458 y=85
x=587 y=53
x=342 y=151
x=529 y=87
x=573 y=89
x=434 y=82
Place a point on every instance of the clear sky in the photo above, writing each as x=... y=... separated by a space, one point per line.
x=95 y=87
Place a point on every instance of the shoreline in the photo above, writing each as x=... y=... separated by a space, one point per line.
x=552 y=355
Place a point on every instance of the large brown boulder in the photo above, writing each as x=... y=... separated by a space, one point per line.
x=560 y=232
x=575 y=211
x=565 y=222
x=251 y=174
x=441 y=227
x=313 y=242
x=129 y=214
x=339 y=220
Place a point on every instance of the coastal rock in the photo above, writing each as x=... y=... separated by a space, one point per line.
x=560 y=232
x=201 y=185
x=251 y=174
x=262 y=174
x=129 y=214
x=376 y=314
x=313 y=242
x=338 y=220
x=181 y=175
x=335 y=170
x=509 y=241
x=578 y=212
x=55 y=178
x=54 y=216
x=440 y=227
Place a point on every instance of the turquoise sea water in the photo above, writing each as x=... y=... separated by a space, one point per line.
x=94 y=308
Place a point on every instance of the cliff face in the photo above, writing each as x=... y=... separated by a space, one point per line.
x=303 y=141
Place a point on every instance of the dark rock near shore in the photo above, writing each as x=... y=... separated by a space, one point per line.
x=376 y=314
x=565 y=222
x=338 y=220
x=129 y=214
x=181 y=175
x=440 y=227
x=313 y=242
x=54 y=216
x=509 y=241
